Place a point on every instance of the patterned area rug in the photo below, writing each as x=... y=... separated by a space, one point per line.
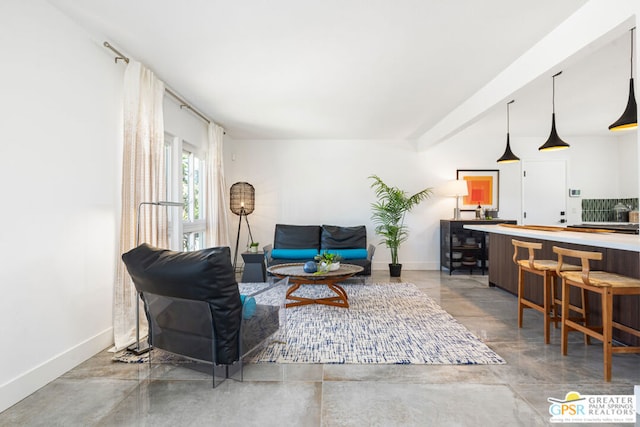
x=126 y=356
x=385 y=324
x=159 y=356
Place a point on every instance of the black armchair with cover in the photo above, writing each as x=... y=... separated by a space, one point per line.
x=194 y=308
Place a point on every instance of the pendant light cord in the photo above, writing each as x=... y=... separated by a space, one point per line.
x=632 y=52
x=553 y=92
x=509 y=103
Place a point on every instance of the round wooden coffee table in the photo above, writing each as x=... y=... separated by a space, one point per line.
x=297 y=276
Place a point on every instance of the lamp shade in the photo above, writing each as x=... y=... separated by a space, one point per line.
x=629 y=119
x=508 y=156
x=243 y=198
x=554 y=142
x=456 y=188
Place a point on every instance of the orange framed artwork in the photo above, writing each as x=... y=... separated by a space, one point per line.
x=483 y=187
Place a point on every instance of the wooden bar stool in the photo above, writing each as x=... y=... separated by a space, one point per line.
x=547 y=270
x=607 y=285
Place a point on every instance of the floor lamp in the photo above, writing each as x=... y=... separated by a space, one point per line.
x=242 y=202
x=137 y=348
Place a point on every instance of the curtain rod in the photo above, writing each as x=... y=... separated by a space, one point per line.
x=183 y=103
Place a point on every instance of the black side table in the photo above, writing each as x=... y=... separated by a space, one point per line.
x=254 y=268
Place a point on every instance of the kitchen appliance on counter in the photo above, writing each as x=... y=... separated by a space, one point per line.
x=616 y=228
x=491 y=213
x=621 y=213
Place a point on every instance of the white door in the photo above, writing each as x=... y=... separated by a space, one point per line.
x=544 y=189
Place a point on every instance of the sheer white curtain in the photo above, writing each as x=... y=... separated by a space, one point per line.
x=143 y=180
x=217 y=212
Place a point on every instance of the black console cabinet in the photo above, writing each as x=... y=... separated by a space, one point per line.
x=462 y=249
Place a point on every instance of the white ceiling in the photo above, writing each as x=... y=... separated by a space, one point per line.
x=344 y=69
x=590 y=94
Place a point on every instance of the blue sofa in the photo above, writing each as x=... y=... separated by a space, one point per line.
x=301 y=243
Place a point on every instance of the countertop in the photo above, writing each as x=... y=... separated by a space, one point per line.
x=605 y=223
x=627 y=242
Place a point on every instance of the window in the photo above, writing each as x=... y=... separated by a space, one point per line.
x=193 y=221
x=185 y=177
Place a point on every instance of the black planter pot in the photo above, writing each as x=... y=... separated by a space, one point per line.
x=395 y=269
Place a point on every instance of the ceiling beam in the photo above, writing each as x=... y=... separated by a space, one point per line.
x=591 y=26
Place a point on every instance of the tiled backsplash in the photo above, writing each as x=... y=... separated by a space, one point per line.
x=601 y=210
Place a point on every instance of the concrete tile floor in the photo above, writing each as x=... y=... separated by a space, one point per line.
x=102 y=393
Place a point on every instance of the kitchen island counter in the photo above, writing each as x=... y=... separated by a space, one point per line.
x=627 y=242
x=620 y=254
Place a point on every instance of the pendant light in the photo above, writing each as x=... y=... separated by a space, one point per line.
x=508 y=156
x=629 y=119
x=554 y=142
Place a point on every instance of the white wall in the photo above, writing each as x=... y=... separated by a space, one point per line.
x=325 y=182
x=60 y=174
x=606 y=168
x=602 y=167
x=628 y=165
x=316 y=182
x=182 y=123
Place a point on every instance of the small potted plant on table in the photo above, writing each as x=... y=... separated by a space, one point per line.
x=328 y=261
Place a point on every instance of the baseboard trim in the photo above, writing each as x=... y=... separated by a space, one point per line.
x=408 y=266
x=27 y=383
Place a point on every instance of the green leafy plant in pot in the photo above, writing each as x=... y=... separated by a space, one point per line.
x=388 y=214
x=327 y=261
x=328 y=257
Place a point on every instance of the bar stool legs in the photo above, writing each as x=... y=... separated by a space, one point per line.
x=547 y=270
x=582 y=311
x=607 y=285
x=607 y=331
x=548 y=302
x=603 y=333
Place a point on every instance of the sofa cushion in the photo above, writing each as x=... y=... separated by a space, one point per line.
x=294 y=253
x=296 y=236
x=336 y=237
x=348 y=254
